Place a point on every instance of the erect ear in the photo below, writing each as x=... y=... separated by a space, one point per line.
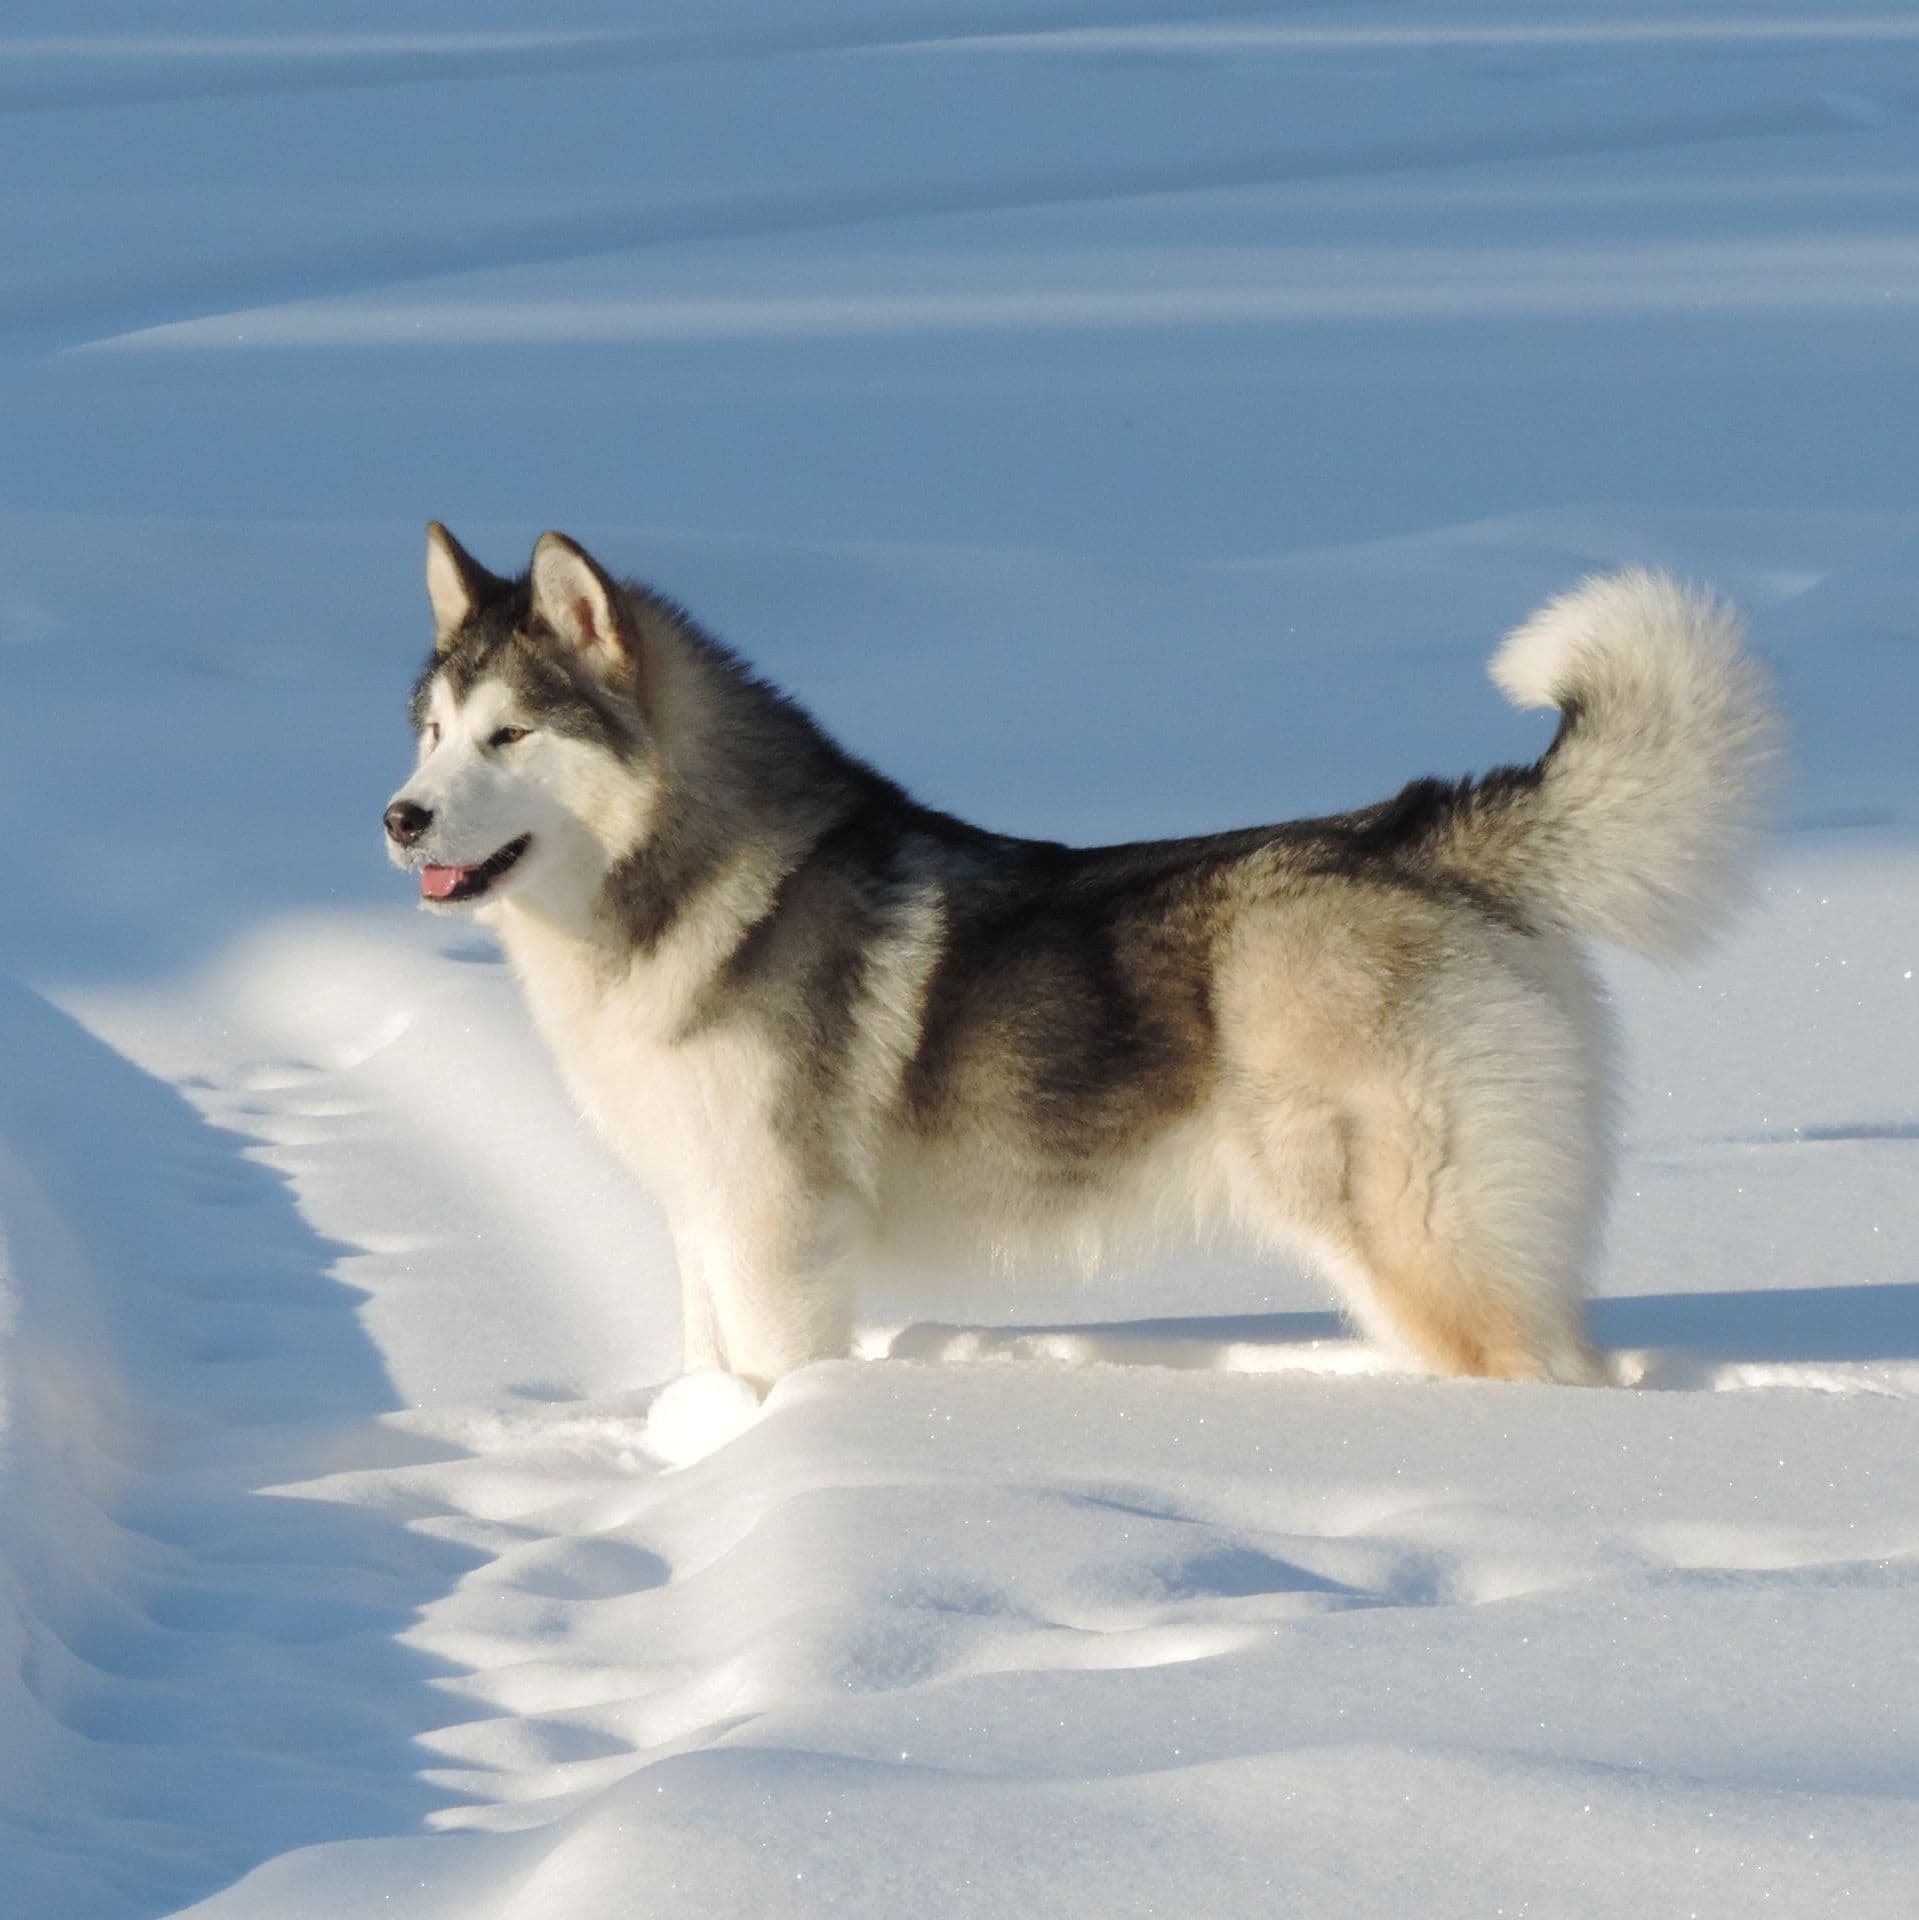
x=574 y=595
x=456 y=583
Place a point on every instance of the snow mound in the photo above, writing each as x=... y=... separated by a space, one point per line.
x=698 y=1414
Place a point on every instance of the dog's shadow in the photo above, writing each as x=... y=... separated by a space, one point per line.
x=1678 y=1339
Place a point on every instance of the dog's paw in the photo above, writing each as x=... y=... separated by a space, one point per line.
x=698 y=1414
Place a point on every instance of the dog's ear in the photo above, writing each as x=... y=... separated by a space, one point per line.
x=576 y=597
x=456 y=583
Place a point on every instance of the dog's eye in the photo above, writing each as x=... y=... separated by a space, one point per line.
x=430 y=733
x=507 y=735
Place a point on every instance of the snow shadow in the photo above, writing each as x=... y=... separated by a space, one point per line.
x=207 y=1657
x=1763 y=1326
x=1227 y=1343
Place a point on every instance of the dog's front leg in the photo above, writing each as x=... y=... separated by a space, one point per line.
x=700 y=1348
x=781 y=1284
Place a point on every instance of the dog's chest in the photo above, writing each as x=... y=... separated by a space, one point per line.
x=678 y=1112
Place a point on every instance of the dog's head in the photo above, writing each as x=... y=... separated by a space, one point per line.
x=533 y=773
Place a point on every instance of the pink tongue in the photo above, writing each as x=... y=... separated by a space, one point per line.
x=437 y=882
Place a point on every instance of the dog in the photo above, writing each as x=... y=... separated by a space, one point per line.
x=831 y=1027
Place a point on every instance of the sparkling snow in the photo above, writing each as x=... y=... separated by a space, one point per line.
x=1114 y=419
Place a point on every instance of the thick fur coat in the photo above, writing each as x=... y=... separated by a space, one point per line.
x=830 y=1027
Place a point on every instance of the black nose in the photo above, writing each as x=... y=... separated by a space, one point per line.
x=405 y=822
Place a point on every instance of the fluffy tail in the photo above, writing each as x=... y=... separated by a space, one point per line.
x=1637 y=825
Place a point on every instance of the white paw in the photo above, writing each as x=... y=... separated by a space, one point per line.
x=698 y=1414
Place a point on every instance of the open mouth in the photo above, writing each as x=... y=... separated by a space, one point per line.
x=445 y=885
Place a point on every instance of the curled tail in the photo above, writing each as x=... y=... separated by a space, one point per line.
x=1638 y=823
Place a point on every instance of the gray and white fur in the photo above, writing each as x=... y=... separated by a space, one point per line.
x=830 y=1027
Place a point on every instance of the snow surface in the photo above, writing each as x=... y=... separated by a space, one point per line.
x=1115 y=419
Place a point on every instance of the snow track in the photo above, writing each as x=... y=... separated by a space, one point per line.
x=200 y=1674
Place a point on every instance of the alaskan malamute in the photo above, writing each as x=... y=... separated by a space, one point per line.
x=829 y=1026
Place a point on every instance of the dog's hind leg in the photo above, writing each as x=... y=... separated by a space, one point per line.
x=1454 y=1201
x=1471 y=1259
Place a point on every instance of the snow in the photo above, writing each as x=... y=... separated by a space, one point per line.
x=1114 y=420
